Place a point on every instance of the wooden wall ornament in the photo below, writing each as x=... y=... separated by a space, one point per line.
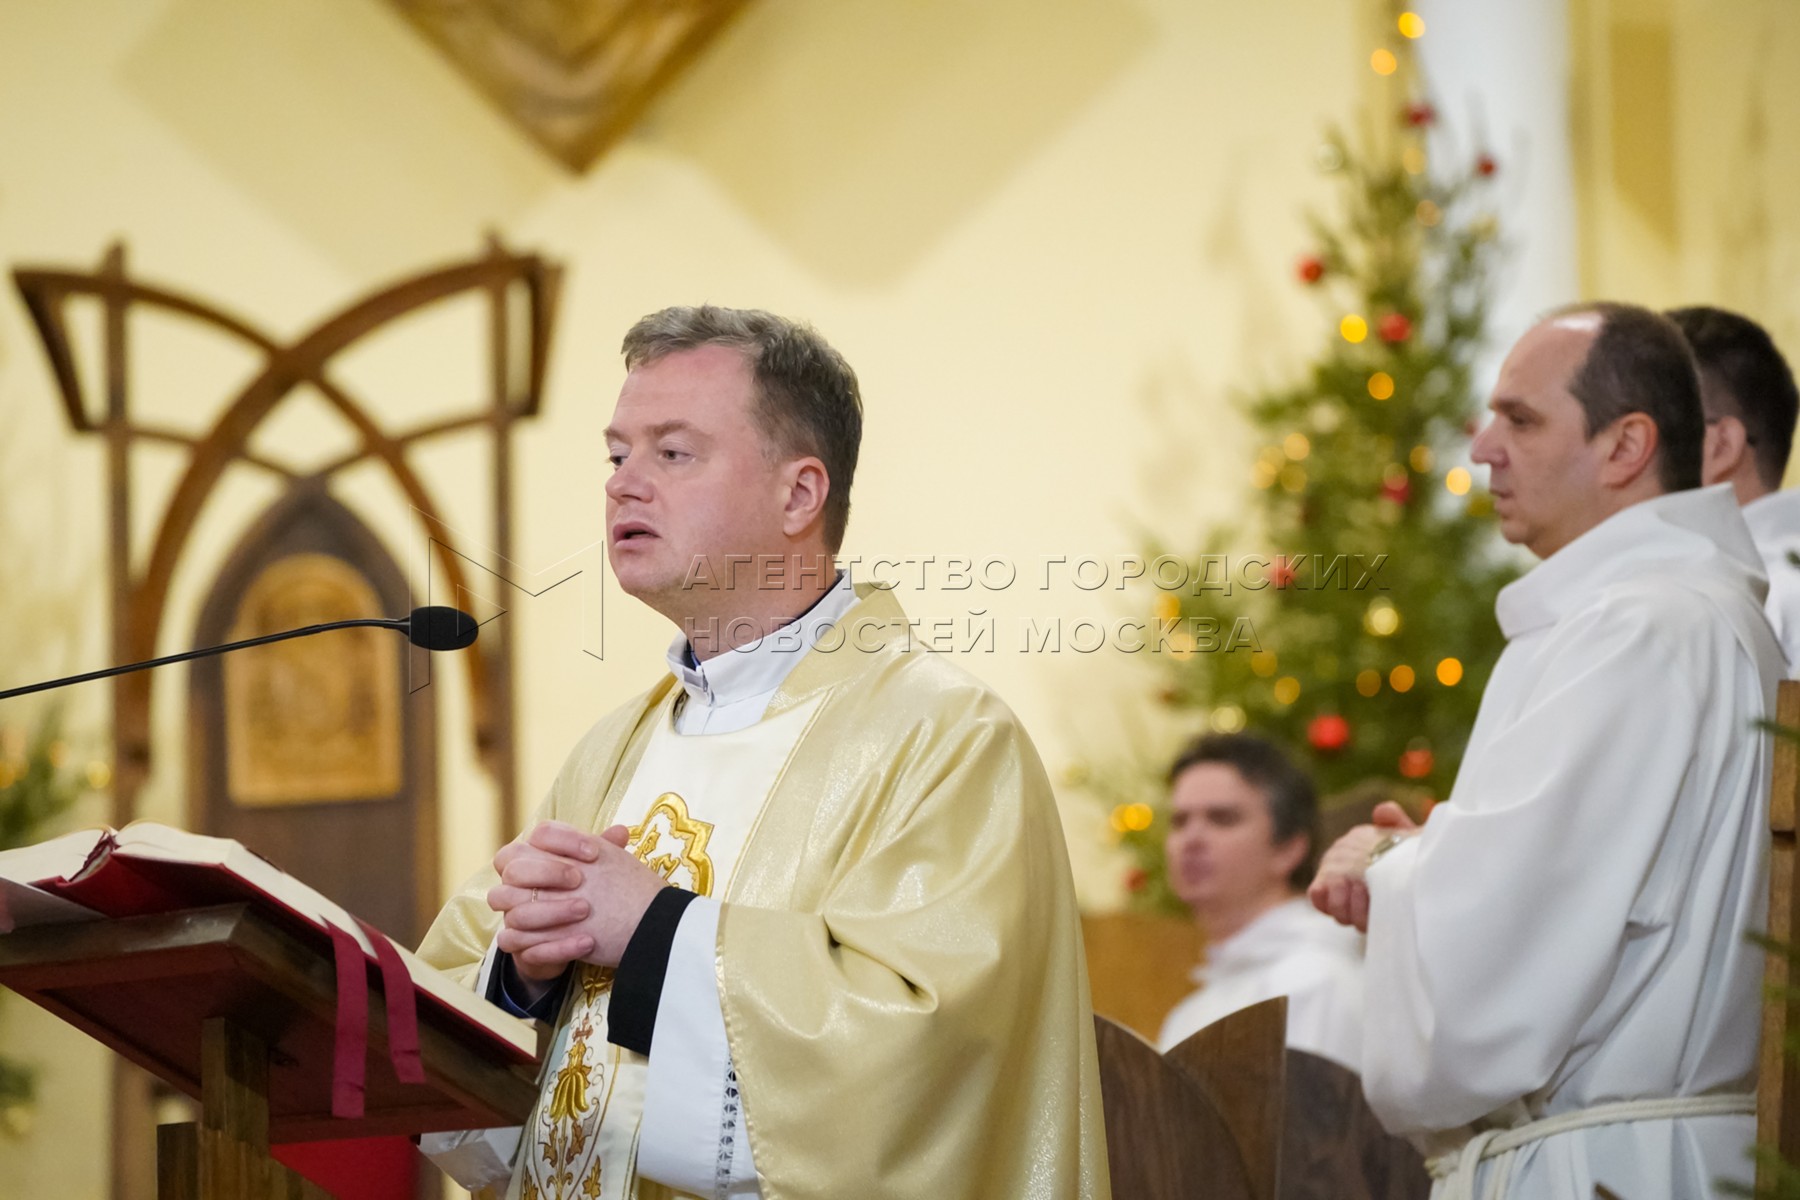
x=520 y=293
x=575 y=75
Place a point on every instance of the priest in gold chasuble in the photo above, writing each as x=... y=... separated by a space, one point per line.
x=802 y=912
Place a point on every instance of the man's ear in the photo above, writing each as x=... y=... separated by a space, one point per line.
x=1290 y=854
x=1726 y=443
x=1630 y=445
x=808 y=486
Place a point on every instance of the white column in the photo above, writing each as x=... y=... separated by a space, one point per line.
x=1500 y=76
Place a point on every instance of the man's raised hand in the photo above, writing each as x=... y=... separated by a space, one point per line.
x=1339 y=889
x=567 y=896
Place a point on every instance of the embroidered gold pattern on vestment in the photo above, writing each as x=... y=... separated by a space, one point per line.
x=564 y=1161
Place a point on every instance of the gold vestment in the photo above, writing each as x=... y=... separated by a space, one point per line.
x=900 y=963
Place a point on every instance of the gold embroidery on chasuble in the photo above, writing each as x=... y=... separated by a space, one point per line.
x=699 y=798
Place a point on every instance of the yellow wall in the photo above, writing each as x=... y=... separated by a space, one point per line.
x=1052 y=238
x=1688 y=155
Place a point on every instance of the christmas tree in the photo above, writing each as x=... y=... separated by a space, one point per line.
x=1372 y=599
x=35 y=788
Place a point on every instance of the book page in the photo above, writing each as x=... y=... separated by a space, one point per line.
x=149 y=840
x=58 y=858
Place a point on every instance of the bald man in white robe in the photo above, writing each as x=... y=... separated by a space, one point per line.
x=1560 y=989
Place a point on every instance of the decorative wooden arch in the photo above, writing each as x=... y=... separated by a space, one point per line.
x=139 y=600
x=521 y=291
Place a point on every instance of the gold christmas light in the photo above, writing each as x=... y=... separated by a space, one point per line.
x=1383 y=62
x=1228 y=719
x=1458 y=480
x=1353 y=328
x=1287 y=689
x=1382 y=619
x=1401 y=678
x=1368 y=682
x=1411 y=24
x=1381 y=385
x=1449 y=672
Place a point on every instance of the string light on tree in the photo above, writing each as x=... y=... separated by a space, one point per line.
x=1328 y=733
x=1401 y=267
x=1417 y=760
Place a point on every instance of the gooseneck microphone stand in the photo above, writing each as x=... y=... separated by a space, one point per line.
x=435 y=627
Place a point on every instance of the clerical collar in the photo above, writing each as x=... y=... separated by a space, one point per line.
x=1774 y=516
x=758 y=668
x=1679 y=534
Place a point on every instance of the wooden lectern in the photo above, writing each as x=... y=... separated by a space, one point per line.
x=232 y=1008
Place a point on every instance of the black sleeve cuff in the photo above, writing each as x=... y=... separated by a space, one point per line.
x=638 y=984
x=504 y=988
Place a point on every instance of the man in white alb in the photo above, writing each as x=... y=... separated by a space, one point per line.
x=801 y=913
x=1560 y=992
x=1243 y=833
x=1750 y=400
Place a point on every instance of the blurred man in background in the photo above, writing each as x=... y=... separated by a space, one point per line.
x=1243 y=832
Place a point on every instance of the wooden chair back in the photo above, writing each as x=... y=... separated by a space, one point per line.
x=1165 y=1137
x=1332 y=1146
x=1240 y=1063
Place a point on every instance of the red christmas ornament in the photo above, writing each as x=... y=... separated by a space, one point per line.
x=1394 y=328
x=1328 y=733
x=1416 y=764
x=1398 y=490
x=1136 y=879
x=1311 y=269
x=1485 y=165
x=1281 y=572
x=1419 y=115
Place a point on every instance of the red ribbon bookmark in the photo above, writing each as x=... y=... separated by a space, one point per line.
x=352 y=1045
x=402 y=1007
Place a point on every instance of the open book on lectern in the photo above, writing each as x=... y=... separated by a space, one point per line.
x=147 y=868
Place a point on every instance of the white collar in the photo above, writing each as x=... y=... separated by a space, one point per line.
x=1774 y=515
x=758 y=668
x=1274 y=933
x=1700 y=529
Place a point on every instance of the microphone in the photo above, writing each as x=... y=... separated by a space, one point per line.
x=434 y=627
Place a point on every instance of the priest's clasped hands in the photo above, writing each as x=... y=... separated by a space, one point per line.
x=566 y=896
x=1339 y=889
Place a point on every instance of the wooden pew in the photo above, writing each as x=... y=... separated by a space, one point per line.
x=1778 y=1077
